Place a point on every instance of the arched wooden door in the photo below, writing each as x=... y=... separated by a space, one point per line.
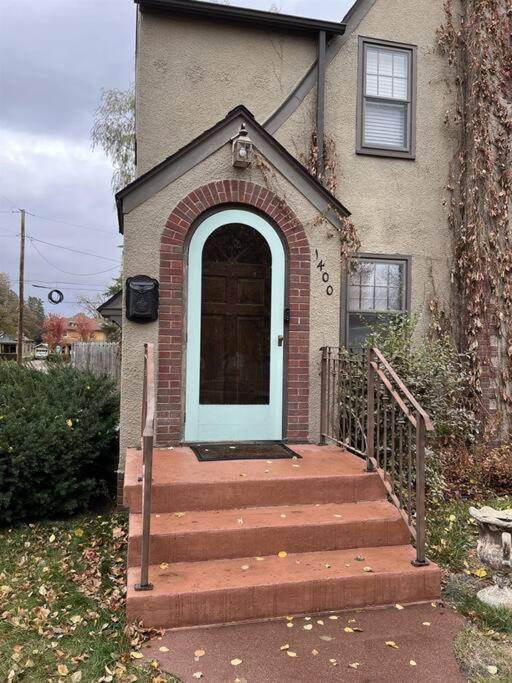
x=236 y=281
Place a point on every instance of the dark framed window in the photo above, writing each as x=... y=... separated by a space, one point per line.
x=386 y=109
x=378 y=287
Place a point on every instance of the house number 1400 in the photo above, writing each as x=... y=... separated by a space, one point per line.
x=325 y=275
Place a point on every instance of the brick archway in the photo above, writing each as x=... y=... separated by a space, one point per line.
x=171 y=331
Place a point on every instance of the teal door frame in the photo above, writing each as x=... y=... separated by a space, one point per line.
x=234 y=422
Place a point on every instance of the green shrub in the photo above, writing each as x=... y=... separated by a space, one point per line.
x=57 y=359
x=58 y=440
x=435 y=373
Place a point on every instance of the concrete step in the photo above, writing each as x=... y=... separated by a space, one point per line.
x=214 y=534
x=227 y=590
x=323 y=475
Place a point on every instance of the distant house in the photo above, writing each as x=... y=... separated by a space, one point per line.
x=73 y=333
x=9 y=347
x=111 y=309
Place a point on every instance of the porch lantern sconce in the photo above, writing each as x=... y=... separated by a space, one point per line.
x=242 y=148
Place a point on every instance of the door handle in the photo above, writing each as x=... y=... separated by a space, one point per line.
x=280 y=339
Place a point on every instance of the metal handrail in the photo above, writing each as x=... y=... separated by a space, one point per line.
x=428 y=422
x=147 y=437
x=367 y=409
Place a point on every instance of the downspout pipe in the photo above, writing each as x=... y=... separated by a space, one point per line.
x=320 y=104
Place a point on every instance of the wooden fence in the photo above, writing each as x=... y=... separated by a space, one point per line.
x=101 y=358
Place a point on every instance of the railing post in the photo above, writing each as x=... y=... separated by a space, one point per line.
x=147 y=450
x=370 y=436
x=323 y=397
x=420 y=560
x=147 y=429
x=144 y=392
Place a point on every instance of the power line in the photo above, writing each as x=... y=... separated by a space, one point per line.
x=73 y=225
x=67 y=272
x=8 y=201
x=73 y=289
x=60 y=246
x=75 y=251
x=108 y=231
x=58 y=282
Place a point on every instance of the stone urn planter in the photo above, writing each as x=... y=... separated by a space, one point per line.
x=494 y=550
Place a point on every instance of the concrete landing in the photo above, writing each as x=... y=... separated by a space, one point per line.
x=258 y=646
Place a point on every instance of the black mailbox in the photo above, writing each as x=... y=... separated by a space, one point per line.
x=141 y=298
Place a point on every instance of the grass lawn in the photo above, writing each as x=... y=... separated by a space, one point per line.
x=486 y=642
x=62 y=588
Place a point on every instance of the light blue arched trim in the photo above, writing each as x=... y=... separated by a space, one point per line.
x=234 y=422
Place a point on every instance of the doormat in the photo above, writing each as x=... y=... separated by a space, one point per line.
x=267 y=450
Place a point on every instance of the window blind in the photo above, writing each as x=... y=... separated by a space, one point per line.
x=385 y=101
x=385 y=124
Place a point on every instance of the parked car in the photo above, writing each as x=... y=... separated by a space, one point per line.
x=41 y=351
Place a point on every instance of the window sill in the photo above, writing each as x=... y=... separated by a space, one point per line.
x=386 y=153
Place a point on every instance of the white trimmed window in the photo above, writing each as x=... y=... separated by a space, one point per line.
x=386 y=91
x=377 y=290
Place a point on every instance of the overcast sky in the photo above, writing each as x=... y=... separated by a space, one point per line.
x=55 y=56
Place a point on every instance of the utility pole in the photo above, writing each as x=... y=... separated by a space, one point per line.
x=21 y=292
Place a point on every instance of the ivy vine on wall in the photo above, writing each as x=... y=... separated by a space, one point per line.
x=476 y=38
x=349 y=238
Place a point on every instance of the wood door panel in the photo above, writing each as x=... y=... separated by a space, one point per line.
x=235 y=318
x=251 y=291
x=215 y=289
x=253 y=360
x=212 y=348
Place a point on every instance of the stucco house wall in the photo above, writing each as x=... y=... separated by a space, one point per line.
x=191 y=72
x=397 y=205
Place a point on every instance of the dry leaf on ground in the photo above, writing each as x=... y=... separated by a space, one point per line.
x=391 y=643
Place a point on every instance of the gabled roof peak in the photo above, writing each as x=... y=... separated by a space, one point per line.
x=207 y=143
